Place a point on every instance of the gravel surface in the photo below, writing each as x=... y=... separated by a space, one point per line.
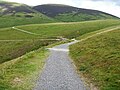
x=59 y=73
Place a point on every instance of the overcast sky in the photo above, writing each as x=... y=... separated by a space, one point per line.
x=109 y=6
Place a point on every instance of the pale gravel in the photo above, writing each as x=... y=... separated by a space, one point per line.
x=59 y=73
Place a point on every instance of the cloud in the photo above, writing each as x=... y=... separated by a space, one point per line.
x=39 y=2
x=102 y=5
x=117 y=2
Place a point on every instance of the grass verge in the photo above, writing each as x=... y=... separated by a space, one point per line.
x=98 y=60
x=21 y=73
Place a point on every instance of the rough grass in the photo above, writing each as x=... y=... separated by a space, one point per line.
x=21 y=73
x=98 y=60
x=13 y=49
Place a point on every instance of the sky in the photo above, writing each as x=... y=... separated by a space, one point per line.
x=109 y=6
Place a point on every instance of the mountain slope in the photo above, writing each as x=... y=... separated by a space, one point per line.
x=13 y=8
x=12 y=14
x=69 y=13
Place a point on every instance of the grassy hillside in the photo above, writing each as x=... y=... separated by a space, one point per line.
x=13 y=14
x=13 y=8
x=22 y=31
x=98 y=60
x=8 y=20
x=73 y=17
x=13 y=49
x=22 y=73
x=71 y=14
x=68 y=30
x=22 y=42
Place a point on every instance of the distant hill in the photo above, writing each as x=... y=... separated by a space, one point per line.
x=13 y=8
x=12 y=14
x=69 y=13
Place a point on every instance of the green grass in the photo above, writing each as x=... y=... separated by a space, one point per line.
x=24 y=68
x=10 y=50
x=98 y=60
x=9 y=21
x=9 y=33
x=67 y=30
x=22 y=73
x=70 y=30
x=13 y=49
x=75 y=17
x=98 y=31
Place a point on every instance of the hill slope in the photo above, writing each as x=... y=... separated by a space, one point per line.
x=14 y=43
x=69 y=13
x=13 y=8
x=98 y=59
x=12 y=14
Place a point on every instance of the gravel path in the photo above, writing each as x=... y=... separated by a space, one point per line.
x=58 y=73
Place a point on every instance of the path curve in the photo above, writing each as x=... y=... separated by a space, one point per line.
x=21 y=30
x=58 y=73
x=99 y=33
